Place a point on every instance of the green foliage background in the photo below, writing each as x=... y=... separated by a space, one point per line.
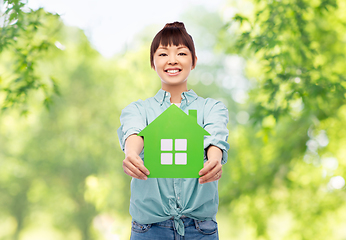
x=277 y=65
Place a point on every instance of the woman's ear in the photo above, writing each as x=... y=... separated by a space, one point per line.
x=193 y=67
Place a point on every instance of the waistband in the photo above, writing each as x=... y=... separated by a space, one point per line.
x=170 y=222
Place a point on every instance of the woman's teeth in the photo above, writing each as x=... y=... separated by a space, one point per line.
x=172 y=71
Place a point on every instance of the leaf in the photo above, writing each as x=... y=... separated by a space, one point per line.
x=48 y=102
x=239 y=18
x=55 y=86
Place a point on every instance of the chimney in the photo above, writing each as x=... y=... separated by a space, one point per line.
x=193 y=113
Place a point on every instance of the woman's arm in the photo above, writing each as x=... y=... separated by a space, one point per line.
x=133 y=164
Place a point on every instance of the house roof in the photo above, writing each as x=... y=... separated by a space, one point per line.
x=174 y=120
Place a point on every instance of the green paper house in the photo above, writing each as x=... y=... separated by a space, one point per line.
x=173 y=145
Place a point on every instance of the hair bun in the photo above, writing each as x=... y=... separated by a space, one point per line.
x=175 y=24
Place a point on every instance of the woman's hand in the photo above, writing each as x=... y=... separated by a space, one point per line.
x=212 y=169
x=132 y=164
x=134 y=167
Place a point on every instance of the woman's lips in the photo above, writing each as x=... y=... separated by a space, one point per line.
x=173 y=71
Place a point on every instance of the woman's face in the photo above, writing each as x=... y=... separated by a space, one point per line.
x=173 y=65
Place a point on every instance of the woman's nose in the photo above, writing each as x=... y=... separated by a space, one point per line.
x=172 y=60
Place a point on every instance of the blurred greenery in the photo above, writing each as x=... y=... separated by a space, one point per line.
x=277 y=65
x=26 y=36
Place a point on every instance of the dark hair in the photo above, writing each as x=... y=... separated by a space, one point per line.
x=172 y=34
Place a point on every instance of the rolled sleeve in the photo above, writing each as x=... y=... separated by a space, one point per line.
x=132 y=121
x=215 y=122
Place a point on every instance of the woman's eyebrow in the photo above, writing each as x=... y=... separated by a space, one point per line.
x=166 y=48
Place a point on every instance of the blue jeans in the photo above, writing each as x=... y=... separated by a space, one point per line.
x=194 y=230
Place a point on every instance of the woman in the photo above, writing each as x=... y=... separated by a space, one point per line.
x=170 y=208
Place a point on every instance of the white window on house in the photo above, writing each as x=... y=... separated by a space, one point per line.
x=166 y=158
x=179 y=152
x=166 y=144
x=180 y=158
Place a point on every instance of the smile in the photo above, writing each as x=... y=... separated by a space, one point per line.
x=173 y=71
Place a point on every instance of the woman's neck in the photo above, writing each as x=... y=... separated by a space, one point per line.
x=175 y=92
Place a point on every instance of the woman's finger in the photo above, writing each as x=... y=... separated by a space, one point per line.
x=212 y=175
x=133 y=168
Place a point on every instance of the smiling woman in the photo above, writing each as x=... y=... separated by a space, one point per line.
x=173 y=56
x=162 y=208
x=173 y=65
x=172 y=34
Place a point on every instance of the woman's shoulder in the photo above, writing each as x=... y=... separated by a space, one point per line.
x=210 y=103
x=142 y=104
x=138 y=103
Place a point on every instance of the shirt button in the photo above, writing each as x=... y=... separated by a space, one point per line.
x=166 y=93
x=178 y=198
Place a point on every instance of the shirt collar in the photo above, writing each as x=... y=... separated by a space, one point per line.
x=190 y=96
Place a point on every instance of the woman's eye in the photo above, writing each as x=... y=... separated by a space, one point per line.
x=182 y=54
x=163 y=54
